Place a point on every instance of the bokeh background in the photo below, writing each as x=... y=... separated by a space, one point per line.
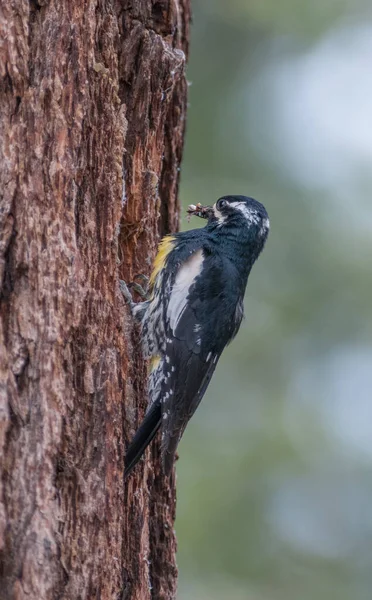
x=275 y=474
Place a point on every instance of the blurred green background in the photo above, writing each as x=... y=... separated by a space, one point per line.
x=275 y=469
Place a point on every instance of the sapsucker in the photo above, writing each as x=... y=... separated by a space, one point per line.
x=194 y=310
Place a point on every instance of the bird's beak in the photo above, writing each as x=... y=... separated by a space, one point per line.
x=197 y=210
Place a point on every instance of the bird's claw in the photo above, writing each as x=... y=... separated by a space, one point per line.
x=142 y=288
x=143 y=278
x=126 y=292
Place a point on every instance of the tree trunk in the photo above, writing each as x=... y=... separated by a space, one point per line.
x=92 y=112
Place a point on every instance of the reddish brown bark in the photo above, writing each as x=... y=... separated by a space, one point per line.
x=92 y=109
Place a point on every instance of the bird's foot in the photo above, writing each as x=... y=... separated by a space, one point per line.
x=126 y=292
x=137 y=308
x=142 y=289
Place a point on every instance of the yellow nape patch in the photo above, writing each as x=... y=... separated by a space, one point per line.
x=165 y=247
x=154 y=362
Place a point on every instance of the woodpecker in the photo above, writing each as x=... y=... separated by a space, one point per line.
x=194 y=309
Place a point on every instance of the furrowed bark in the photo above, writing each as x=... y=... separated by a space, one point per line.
x=92 y=110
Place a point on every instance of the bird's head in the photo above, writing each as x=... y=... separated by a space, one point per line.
x=239 y=216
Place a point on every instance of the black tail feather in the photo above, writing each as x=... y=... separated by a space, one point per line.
x=143 y=436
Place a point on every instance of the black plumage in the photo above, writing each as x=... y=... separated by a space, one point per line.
x=195 y=310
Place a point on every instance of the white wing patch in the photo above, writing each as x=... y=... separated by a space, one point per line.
x=184 y=280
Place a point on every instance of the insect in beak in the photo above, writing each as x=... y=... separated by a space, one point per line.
x=197 y=210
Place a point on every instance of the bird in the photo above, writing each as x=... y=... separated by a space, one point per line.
x=193 y=311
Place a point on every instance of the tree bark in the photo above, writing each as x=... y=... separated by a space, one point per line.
x=92 y=112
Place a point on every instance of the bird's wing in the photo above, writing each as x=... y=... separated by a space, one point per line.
x=194 y=338
x=186 y=388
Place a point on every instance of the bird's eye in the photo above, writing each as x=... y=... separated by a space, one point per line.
x=221 y=203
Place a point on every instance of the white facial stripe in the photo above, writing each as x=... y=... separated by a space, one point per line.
x=250 y=214
x=219 y=216
x=184 y=280
x=265 y=226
